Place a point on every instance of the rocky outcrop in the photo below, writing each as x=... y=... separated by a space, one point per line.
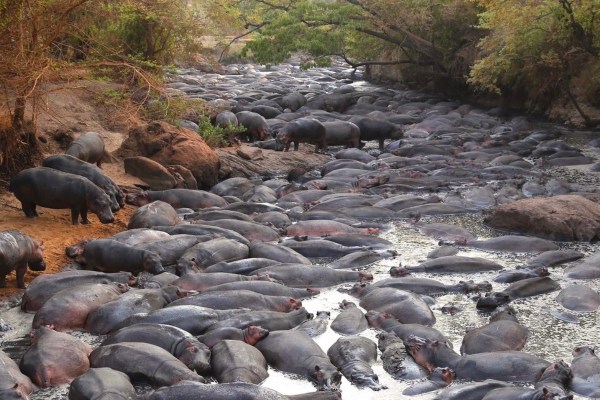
x=561 y=218
x=155 y=175
x=170 y=145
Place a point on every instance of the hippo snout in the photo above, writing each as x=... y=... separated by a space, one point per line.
x=38 y=266
x=107 y=218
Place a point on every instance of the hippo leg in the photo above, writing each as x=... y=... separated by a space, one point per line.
x=296 y=144
x=381 y=144
x=84 y=218
x=2 y=281
x=20 y=272
x=29 y=209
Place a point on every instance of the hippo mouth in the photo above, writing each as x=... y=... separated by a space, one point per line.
x=39 y=266
x=107 y=219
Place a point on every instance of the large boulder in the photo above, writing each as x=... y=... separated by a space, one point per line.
x=561 y=218
x=154 y=174
x=170 y=145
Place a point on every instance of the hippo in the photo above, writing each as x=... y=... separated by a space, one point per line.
x=309 y=360
x=446 y=232
x=249 y=230
x=396 y=360
x=225 y=300
x=376 y=129
x=406 y=306
x=454 y=264
x=51 y=188
x=325 y=228
x=69 y=308
x=270 y=320
x=201 y=281
x=502 y=333
x=157 y=213
x=266 y=288
x=388 y=323
x=555 y=380
x=471 y=391
x=517 y=393
x=177 y=198
x=104 y=318
x=317 y=248
x=73 y=165
x=97 y=383
x=134 y=237
x=305 y=130
x=235 y=186
x=13 y=383
x=108 y=255
x=171 y=248
x=342 y=133
x=354 y=356
x=203 y=230
x=360 y=258
x=236 y=361
x=143 y=361
x=514 y=243
x=517 y=290
x=251 y=335
x=510 y=366
x=87 y=147
x=276 y=253
x=54 y=358
x=424 y=286
x=553 y=258
x=44 y=287
x=351 y=321
x=205 y=254
x=224 y=391
x=370 y=241
x=520 y=274
x=17 y=252
x=579 y=298
x=226 y=120
x=256 y=125
x=300 y=275
x=316 y=326
x=586 y=372
x=440 y=378
x=215 y=214
x=185 y=347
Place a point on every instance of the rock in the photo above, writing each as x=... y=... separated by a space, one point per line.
x=155 y=175
x=250 y=153
x=187 y=178
x=170 y=145
x=561 y=218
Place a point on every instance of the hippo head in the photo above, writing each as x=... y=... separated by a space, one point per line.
x=345 y=305
x=185 y=266
x=137 y=199
x=254 y=334
x=422 y=351
x=291 y=304
x=282 y=138
x=196 y=356
x=558 y=371
x=444 y=376
x=114 y=205
x=100 y=205
x=121 y=287
x=36 y=259
x=366 y=379
x=323 y=314
x=472 y=287
x=506 y=313
x=397 y=272
x=378 y=319
x=365 y=276
x=582 y=351
x=75 y=251
x=492 y=300
x=120 y=197
x=385 y=339
x=172 y=293
x=358 y=290
x=326 y=378
x=152 y=263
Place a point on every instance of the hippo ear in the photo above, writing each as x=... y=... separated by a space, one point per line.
x=435 y=343
x=317 y=368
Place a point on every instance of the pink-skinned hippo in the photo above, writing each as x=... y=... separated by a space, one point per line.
x=224 y=300
x=237 y=361
x=17 y=252
x=54 y=358
x=51 y=188
x=308 y=360
x=251 y=335
x=69 y=308
x=13 y=383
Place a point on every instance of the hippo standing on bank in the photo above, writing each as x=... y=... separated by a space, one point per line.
x=342 y=133
x=51 y=188
x=88 y=147
x=17 y=252
x=256 y=125
x=374 y=129
x=305 y=130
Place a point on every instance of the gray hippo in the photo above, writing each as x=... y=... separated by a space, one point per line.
x=178 y=198
x=229 y=299
x=143 y=361
x=440 y=378
x=518 y=290
x=579 y=298
x=97 y=383
x=305 y=130
x=406 y=306
x=251 y=335
x=87 y=147
x=17 y=252
x=185 y=347
x=502 y=333
x=308 y=359
x=586 y=372
x=256 y=125
x=342 y=133
x=13 y=383
x=270 y=320
x=108 y=255
x=316 y=326
x=51 y=188
x=237 y=361
x=155 y=214
x=54 y=358
x=354 y=356
x=224 y=391
x=350 y=321
x=73 y=165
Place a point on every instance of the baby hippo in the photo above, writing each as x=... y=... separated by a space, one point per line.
x=17 y=251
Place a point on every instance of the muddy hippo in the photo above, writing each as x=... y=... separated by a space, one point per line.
x=51 y=188
x=13 y=383
x=309 y=360
x=256 y=125
x=73 y=165
x=143 y=361
x=351 y=321
x=517 y=290
x=270 y=320
x=108 y=255
x=440 y=378
x=223 y=391
x=510 y=366
x=87 y=147
x=354 y=356
x=342 y=133
x=157 y=213
x=299 y=275
x=54 y=358
x=178 y=198
x=44 y=287
x=251 y=335
x=316 y=326
x=406 y=306
x=396 y=360
x=185 y=347
x=236 y=361
x=502 y=333
x=586 y=372
x=69 y=308
x=17 y=252
x=225 y=300
x=98 y=383
x=303 y=130
x=104 y=318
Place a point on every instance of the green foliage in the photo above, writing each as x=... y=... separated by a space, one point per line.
x=216 y=136
x=171 y=108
